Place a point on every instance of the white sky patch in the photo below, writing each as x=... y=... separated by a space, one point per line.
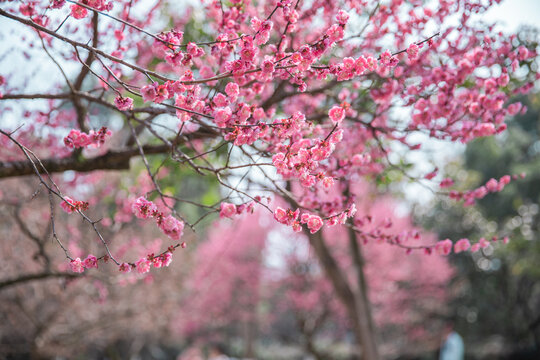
x=512 y=14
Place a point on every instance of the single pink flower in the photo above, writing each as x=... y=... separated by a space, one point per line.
x=124 y=267
x=143 y=266
x=462 y=245
x=143 y=209
x=77 y=265
x=123 y=103
x=337 y=114
x=227 y=210
x=443 y=247
x=166 y=259
x=149 y=92
x=90 y=262
x=233 y=90
x=280 y=215
x=68 y=205
x=172 y=227
x=314 y=223
x=412 y=51
x=78 y=12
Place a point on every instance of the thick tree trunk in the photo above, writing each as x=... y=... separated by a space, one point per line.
x=356 y=302
x=311 y=349
x=308 y=328
x=362 y=300
x=250 y=330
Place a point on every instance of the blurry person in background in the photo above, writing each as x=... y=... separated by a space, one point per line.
x=191 y=353
x=452 y=347
x=218 y=352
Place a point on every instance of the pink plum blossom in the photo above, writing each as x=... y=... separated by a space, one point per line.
x=77 y=265
x=227 y=210
x=461 y=245
x=143 y=265
x=444 y=247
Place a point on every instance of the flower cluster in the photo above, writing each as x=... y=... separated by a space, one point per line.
x=412 y=51
x=302 y=159
x=156 y=92
x=144 y=264
x=313 y=222
x=288 y=217
x=262 y=30
x=366 y=229
x=70 y=205
x=78 y=12
x=444 y=247
x=144 y=209
x=169 y=225
x=78 y=139
x=123 y=103
x=351 y=67
x=77 y=265
x=491 y=186
x=389 y=60
x=228 y=210
x=273 y=82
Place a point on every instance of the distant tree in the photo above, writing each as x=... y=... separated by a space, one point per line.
x=224 y=289
x=235 y=293
x=48 y=311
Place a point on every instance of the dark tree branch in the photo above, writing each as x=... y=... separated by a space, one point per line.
x=87 y=96
x=33 y=277
x=36 y=239
x=112 y=160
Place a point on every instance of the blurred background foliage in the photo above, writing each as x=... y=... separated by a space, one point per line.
x=499 y=299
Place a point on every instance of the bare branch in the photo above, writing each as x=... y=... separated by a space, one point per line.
x=33 y=277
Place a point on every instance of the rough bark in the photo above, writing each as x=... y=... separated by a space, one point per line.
x=112 y=160
x=33 y=277
x=355 y=302
x=363 y=305
x=250 y=331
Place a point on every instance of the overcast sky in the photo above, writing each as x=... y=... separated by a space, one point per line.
x=513 y=13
